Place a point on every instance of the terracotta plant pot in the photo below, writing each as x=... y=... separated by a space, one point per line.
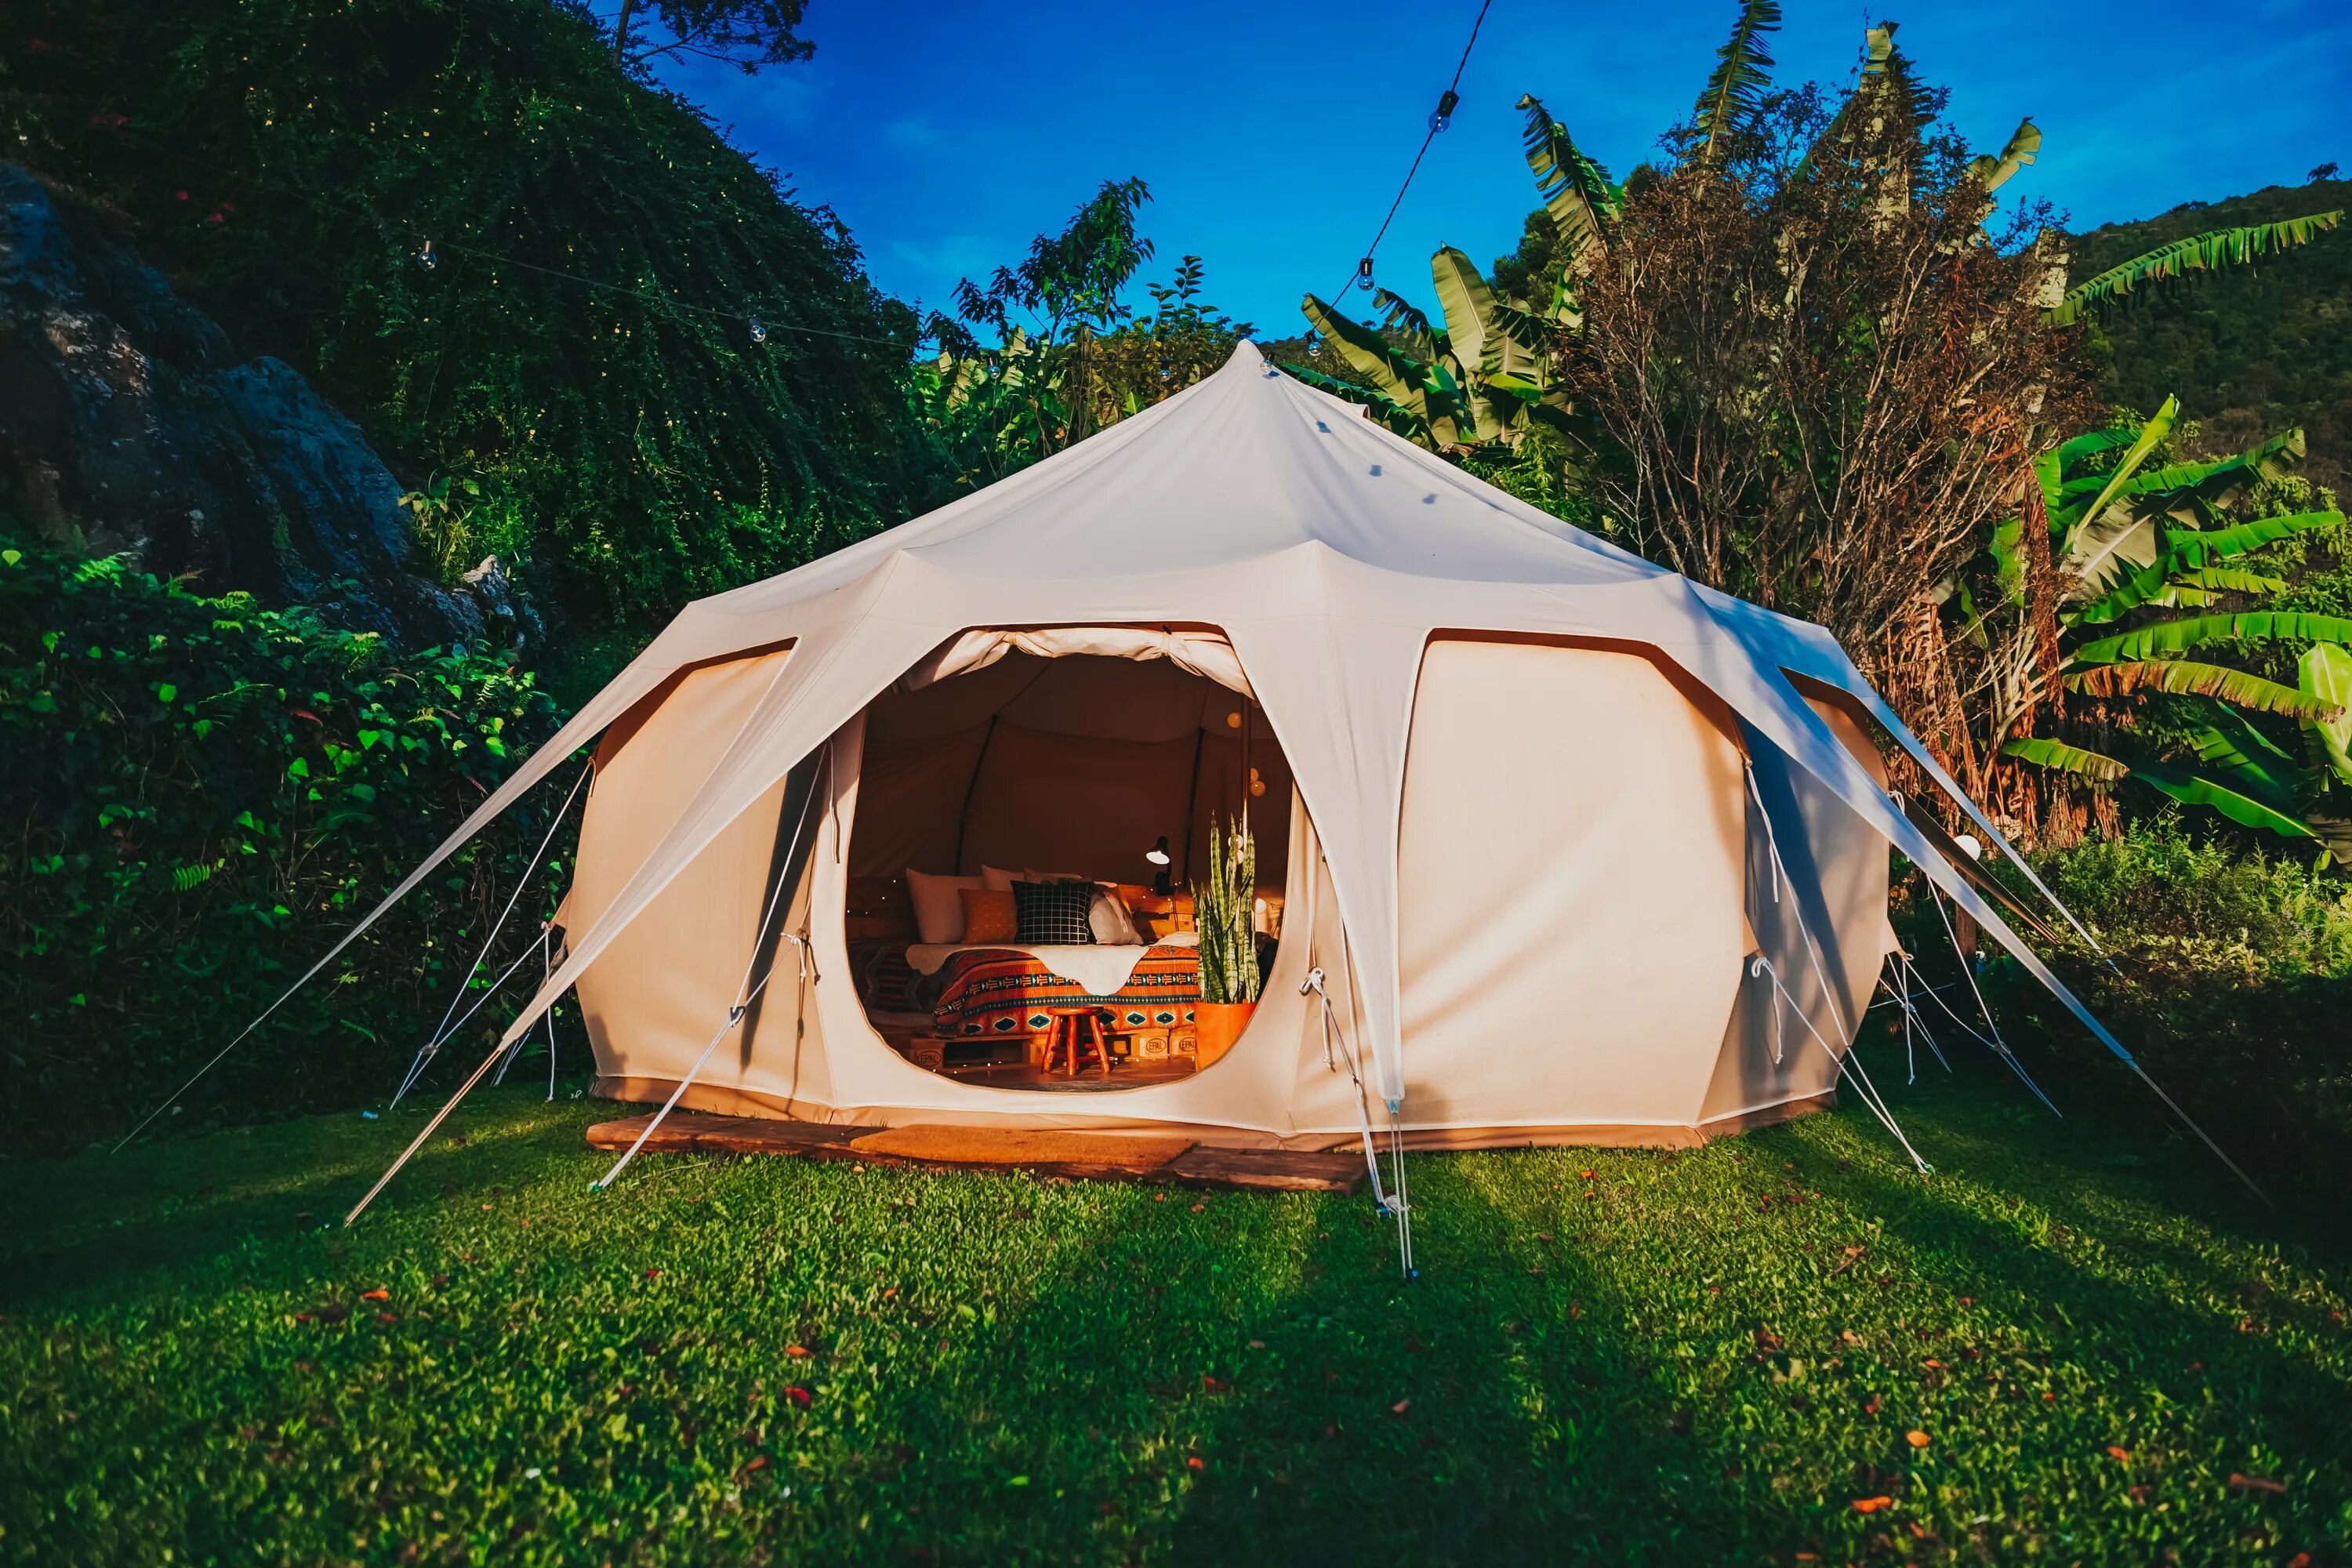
x=1217 y=1025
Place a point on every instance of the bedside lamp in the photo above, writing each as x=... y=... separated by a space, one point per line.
x=1158 y=856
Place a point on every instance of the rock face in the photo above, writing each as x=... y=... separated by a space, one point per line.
x=126 y=425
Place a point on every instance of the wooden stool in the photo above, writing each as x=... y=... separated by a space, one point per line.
x=1076 y=1031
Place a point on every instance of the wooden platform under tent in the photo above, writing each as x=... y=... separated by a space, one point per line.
x=1172 y=1158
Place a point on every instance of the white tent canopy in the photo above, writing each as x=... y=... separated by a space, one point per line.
x=1265 y=536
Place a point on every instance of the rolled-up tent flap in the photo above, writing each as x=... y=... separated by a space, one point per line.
x=1204 y=654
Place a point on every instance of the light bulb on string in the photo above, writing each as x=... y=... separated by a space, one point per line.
x=759 y=333
x=424 y=257
x=1443 y=115
x=1364 y=274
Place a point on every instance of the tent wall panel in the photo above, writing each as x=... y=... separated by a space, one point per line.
x=665 y=982
x=1837 y=867
x=1570 y=884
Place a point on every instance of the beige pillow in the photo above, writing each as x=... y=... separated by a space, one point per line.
x=939 y=908
x=997 y=879
x=1112 y=924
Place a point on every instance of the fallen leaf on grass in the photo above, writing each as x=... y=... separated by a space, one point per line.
x=1214 y=1385
x=378 y=1294
x=757 y=1462
x=1917 y=1438
x=798 y=1396
x=1194 y=1462
x=1872 y=1504
x=387 y=1316
x=2257 y=1484
x=1199 y=1207
x=1870 y=1405
x=2121 y=1456
x=1401 y=1406
x=796 y=1351
x=652 y=1273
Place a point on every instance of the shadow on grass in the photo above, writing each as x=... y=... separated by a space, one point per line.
x=102 y=1220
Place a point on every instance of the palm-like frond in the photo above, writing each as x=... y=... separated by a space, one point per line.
x=2098 y=549
x=2044 y=752
x=2179 y=636
x=2193 y=788
x=2025 y=145
x=1735 y=88
x=2193 y=677
x=2074 y=513
x=1402 y=378
x=2256 y=767
x=2178 y=487
x=1389 y=412
x=2208 y=251
x=1408 y=320
x=1576 y=191
x=2324 y=673
x=2220 y=543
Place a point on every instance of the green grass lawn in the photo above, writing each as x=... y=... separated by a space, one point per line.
x=2061 y=1348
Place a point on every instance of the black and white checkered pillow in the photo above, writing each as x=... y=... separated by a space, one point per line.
x=1053 y=914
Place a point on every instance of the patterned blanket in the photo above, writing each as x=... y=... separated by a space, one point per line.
x=990 y=991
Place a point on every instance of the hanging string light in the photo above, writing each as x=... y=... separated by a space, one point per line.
x=1364 y=274
x=424 y=257
x=1443 y=115
x=759 y=333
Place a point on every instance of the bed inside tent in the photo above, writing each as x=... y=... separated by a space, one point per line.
x=1019 y=899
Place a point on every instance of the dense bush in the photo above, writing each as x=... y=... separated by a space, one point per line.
x=200 y=796
x=580 y=350
x=2231 y=984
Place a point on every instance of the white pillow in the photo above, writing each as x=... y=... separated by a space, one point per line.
x=1112 y=924
x=938 y=904
x=996 y=879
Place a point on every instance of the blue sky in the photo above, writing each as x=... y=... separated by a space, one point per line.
x=1274 y=134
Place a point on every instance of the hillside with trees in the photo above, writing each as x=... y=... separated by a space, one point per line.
x=590 y=334
x=2248 y=349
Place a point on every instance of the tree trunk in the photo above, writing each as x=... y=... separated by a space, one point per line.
x=621 y=31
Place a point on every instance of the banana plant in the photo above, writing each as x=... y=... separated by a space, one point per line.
x=2207 y=252
x=2134 y=540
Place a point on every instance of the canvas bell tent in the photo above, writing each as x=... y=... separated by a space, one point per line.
x=1564 y=846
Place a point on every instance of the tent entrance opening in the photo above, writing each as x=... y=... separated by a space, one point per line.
x=1029 y=837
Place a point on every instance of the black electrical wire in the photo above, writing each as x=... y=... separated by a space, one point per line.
x=1436 y=124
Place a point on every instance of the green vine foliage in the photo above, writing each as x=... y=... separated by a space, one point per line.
x=202 y=795
x=288 y=159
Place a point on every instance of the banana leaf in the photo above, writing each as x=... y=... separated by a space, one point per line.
x=2071 y=454
x=1469 y=307
x=2213 y=250
x=2194 y=631
x=2257 y=768
x=1406 y=318
x=1389 y=412
x=2191 y=677
x=2211 y=482
x=2219 y=544
x=2088 y=550
x=2166 y=582
x=2024 y=144
x=2044 y=752
x=2008 y=566
x=1734 y=89
x=1575 y=190
x=2193 y=788
x=2324 y=673
x=1403 y=379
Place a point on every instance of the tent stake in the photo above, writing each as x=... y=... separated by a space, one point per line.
x=419 y=1142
